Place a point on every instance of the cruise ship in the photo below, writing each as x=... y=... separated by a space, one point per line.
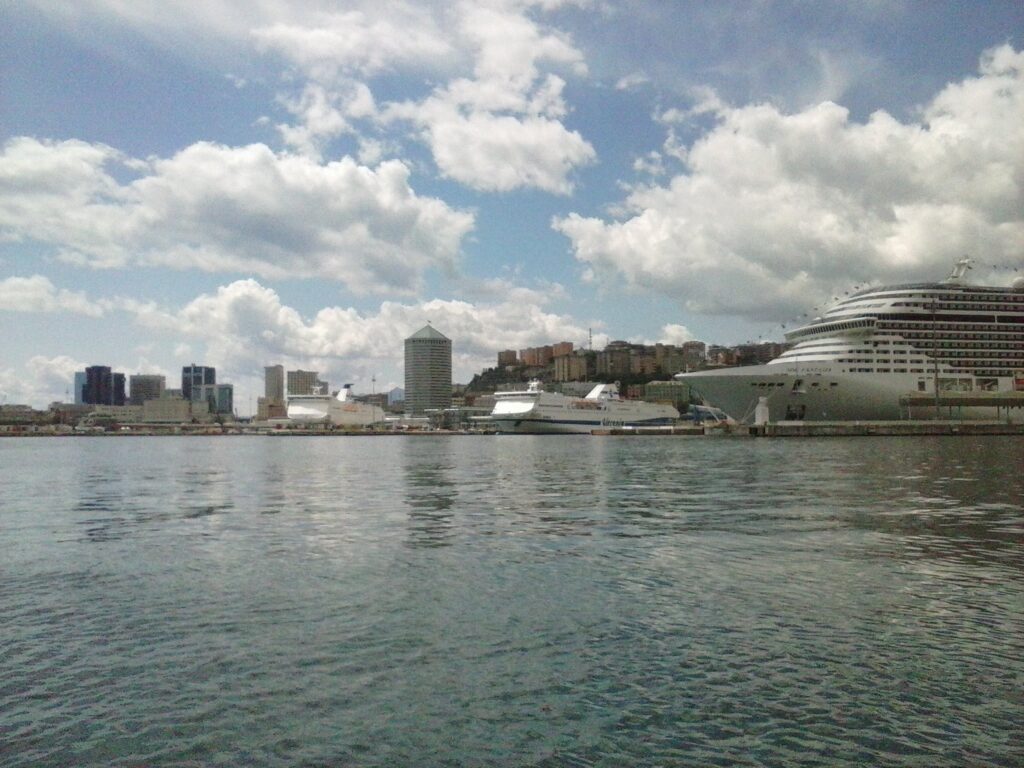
x=537 y=411
x=340 y=409
x=887 y=353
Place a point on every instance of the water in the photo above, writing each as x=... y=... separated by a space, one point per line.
x=511 y=601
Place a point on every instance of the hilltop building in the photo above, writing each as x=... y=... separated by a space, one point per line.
x=428 y=371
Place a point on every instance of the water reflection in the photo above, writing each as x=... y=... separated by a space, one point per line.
x=430 y=491
x=947 y=498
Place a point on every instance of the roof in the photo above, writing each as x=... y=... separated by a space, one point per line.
x=428 y=332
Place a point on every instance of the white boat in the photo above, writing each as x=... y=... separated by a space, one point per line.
x=887 y=353
x=537 y=411
x=340 y=409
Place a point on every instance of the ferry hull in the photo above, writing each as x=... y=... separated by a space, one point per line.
x=537 y=412
x=550 y=426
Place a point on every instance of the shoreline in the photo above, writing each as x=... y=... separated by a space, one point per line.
x=778 y=429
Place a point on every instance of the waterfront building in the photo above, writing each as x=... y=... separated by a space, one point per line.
x=306 y=383
x=219 y=396
x=102 y=386
x=273 y=404
x=117 y=414
x=675 y=393
x=196 y=376
x=508 y=357
x=143 y=387
x=267 y=409
x=428 y=371
x=172 y=410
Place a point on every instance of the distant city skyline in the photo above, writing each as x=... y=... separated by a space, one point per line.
x=310 y=183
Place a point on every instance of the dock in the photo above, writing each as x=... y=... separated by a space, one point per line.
x=883 y=428
x=903 y=427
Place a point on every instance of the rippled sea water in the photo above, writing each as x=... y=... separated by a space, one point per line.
x=511 y=601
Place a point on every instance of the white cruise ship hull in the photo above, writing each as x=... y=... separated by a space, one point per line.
x=829 y=395
x=880 y=353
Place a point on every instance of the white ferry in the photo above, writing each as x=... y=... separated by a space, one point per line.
x=884 y=351
x=340 y=410
x=537 y=411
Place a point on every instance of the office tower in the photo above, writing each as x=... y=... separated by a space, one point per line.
x=79 y=387
x=428 y=371
x=102 y=387
x=143 y=387
x=196 y=376
x=273 y=383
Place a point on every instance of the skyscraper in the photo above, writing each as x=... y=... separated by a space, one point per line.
x=196 y=376
x=428 y=371
x=103 y=387
x=79 y=387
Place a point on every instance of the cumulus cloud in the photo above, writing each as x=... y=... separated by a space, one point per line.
x=778 y=210
x=229 y=209
x=502 y=128
x=43 y=380
x=377 y=37
x=674 y=333
x=38 y=294
x=494 y=124
x=244 y=326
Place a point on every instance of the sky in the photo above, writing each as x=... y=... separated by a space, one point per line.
x=243 y=184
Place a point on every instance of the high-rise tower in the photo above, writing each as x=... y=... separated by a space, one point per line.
x=428 y=371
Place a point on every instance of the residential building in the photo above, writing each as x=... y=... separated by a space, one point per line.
x=561 y=348
x=577 y=366
x=428 y=371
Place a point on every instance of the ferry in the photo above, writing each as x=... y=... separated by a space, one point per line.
x=536 y=411
x=341 y=409
x=884 y=350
